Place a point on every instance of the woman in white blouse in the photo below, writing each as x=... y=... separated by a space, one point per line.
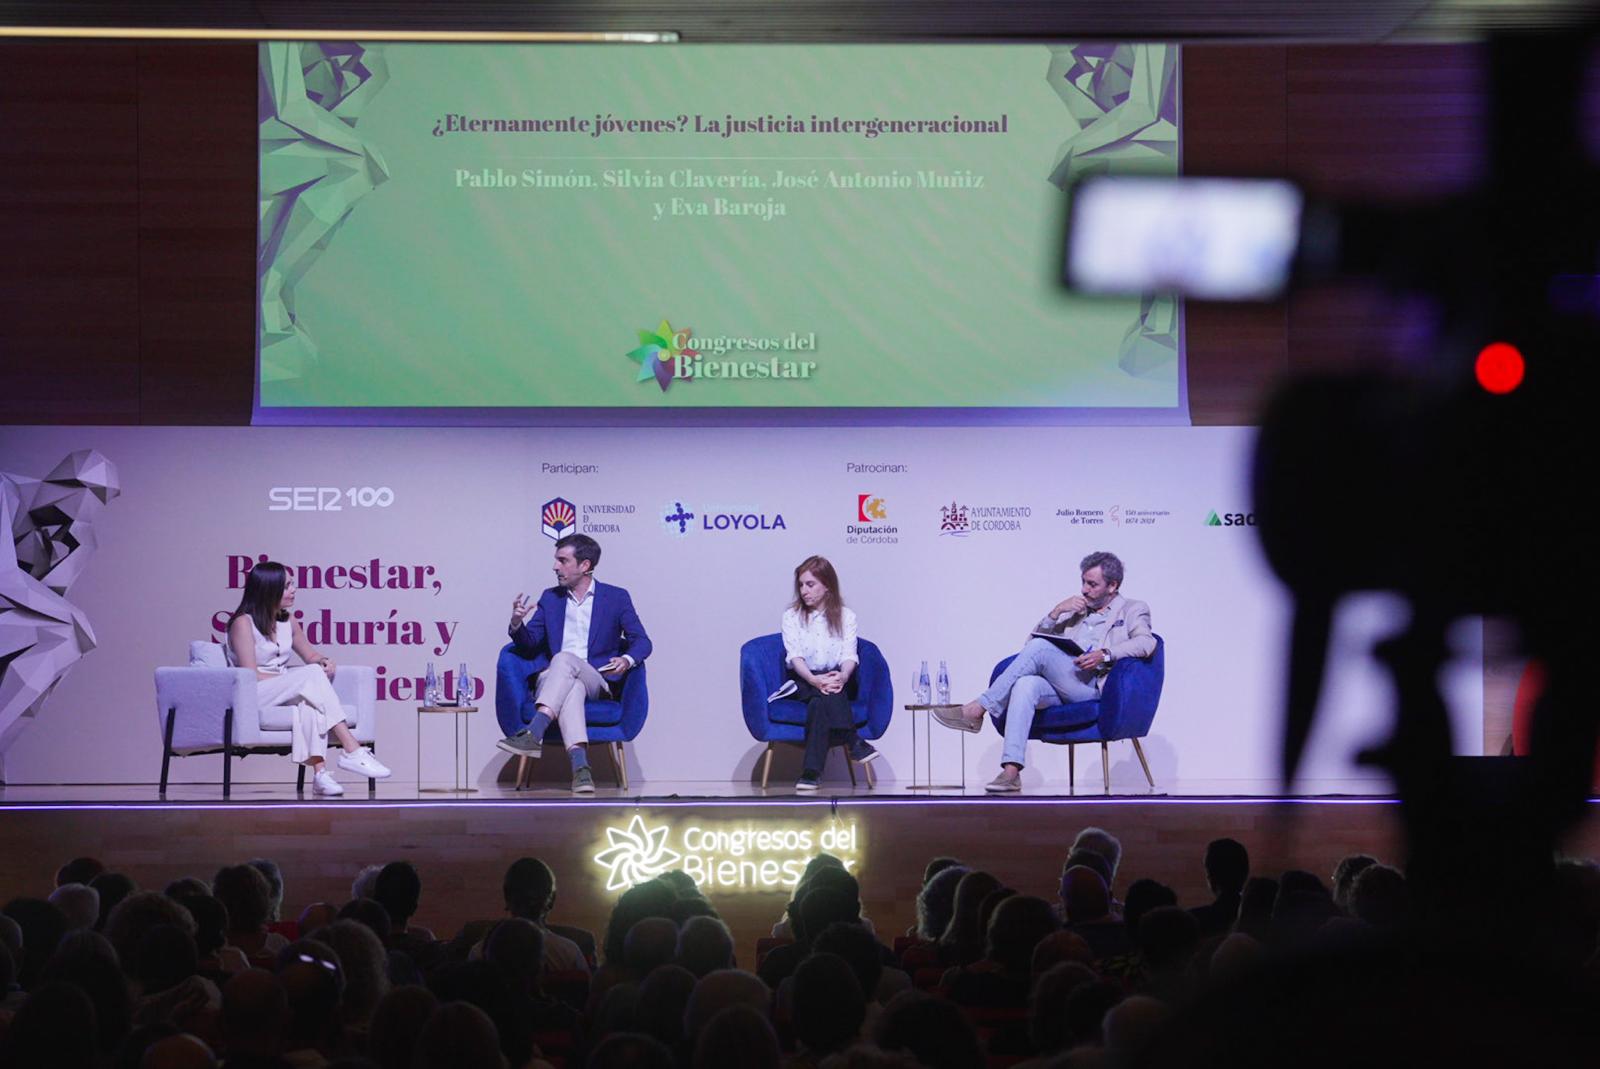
x=819 y=645
x=261 y=636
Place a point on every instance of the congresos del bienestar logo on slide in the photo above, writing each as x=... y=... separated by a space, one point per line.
x=666 y=355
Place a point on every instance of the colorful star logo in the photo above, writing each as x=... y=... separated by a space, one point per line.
x=636 y=854
x=656 y=352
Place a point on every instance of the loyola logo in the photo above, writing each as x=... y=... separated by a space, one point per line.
x=1231 y=519
x=660 y=352
x=680 y=520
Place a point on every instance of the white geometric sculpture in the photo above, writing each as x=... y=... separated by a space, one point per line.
x=51 y=521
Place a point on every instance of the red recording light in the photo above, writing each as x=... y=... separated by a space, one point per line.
x=1499 y=368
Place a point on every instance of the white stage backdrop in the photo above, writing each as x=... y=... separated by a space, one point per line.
x=422 y=537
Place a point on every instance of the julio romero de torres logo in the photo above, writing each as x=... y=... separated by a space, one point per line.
x=558 y=518
x=665 y=355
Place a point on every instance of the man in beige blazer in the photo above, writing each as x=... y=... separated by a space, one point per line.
x=1106 y=625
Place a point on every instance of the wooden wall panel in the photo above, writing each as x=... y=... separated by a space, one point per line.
x=69 y=203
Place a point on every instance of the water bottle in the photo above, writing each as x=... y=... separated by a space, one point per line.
x=464 y=686
x=430 y=687
x=944 y=684
x=924 y=691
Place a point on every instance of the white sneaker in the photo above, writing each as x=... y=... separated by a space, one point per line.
x=324 y=783
x=364 y=763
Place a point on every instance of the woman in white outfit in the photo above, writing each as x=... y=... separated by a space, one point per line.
x=261 y=635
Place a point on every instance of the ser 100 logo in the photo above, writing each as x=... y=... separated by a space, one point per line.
x=327 y=498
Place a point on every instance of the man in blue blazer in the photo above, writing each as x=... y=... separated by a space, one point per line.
x=582 y=638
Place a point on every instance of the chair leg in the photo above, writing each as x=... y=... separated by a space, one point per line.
x=621 y=761
x=766 y=766
x=850 y=766
x=1143 y=763
x=1072 y=767
x=227 y=752
x=872 y=781
x=522 y=770
x=1105 y=765
x=166 y=749
x=372 y=784
x=300 y=780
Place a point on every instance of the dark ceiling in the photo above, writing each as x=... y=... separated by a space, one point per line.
x=841 y=20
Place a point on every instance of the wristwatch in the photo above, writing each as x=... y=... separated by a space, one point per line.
x=1106 y=663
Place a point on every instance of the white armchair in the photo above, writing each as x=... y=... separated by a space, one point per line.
x=208 y=707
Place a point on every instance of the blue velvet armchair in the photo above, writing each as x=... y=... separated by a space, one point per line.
x=762 y=670
x=612 y=721
x=1126 y=708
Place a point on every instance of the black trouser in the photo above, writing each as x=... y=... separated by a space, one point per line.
x=829 y=721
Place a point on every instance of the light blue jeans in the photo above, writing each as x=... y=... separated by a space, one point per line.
x=1041 y=676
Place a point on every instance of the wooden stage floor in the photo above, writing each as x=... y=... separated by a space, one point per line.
x=743 y=849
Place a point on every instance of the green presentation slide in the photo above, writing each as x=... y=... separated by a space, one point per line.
x=701 y=226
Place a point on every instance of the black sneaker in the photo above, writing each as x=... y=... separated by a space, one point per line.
x=807 y=782
x=522 y=744
x=862 y=751
x=583 y=781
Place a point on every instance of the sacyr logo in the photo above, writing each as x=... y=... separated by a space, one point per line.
x=678 y=516
x=870 y=508
x=558 y=518
x=1231 y=519
x=657 y=352
x=636 y=854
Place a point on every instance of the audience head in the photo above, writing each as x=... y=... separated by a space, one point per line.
x=54 y=1028
x=1047 y=1004
x=79 y=870
x=529 y=889
x=631 y=1050
x=366 y=911
x=313 y=983
x=1059 y=947
x=137 y=914
x=1255 y=906
x=719 y=990
x=86 y=961
x=1103 y=843
x=1237 y=956
x=164 y=957
x=826 y=905
x=1019 y=923
x=495 y=992
x=186 y=887
x=704 y=945
x=1227 y=866
x=363 y=961
x=1378 y=896
x=181 y=1051
x=516 y=945
x=936 y=866
x=829 y=1005
x=649 y=899
x=681 y=883
x=737 y=1035
x=366 y=881
x=1091 y=860
x=210 y=922
x=246 y=895
x=458 y=1035
x=8 y=970
x=255 y=1014
x=974 y=887
x=79 y=903
x=1167 y=938
x=317 y=916
x=1084 y=1013
x=932 y=1030
x=399 y=891
x=397 y=1024
x=1084 y=897
x=11 y=936
x=274 y=876
x=112 y=887
x=1344 y=876
x=688 y=907
x=937 y=900
x=649 y=944
x=663 y=995
x=1129 y=1026
x=1143 y=896
x=858 y=948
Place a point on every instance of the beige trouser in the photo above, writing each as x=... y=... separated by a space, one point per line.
x=563 y=688
x=316 y=708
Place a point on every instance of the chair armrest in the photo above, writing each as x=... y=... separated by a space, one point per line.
x=1128 y=700
x=760 y=673
x=876 y=688
x=201 y=697
x=635 y=701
